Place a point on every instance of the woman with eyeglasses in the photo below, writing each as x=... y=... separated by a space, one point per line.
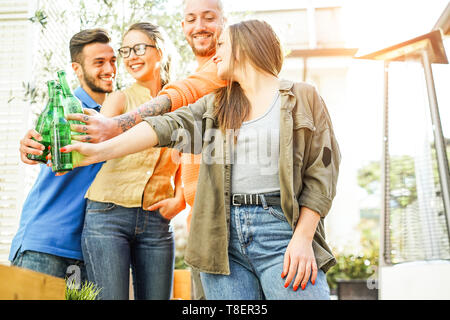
x=131 y=201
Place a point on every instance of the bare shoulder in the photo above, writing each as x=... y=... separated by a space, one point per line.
x=114 y=104
x=116 y=96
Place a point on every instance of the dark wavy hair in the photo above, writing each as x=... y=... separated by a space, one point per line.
x=82 y=39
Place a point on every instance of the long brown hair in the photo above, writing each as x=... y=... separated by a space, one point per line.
x=255 y=42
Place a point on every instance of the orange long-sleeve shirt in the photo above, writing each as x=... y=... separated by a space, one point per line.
x=182 y=93
x=189 y=90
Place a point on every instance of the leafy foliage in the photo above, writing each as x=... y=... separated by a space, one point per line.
x=359 y=265
x=402 y=176
x=353 y=266
x=116 y=16
x=87 y=291
x=39 y=17
x=402 y=179
x=179 y=262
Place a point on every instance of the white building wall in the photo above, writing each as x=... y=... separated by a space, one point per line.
x=15 y=63
x=21 y=62
x=405 y=281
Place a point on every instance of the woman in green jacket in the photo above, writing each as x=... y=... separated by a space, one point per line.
x=268 y=176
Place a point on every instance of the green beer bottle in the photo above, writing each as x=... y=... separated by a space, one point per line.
x=43 y=124
x=60 y=136
x=71 y=103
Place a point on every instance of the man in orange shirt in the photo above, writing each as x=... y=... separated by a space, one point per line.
x=202 y=24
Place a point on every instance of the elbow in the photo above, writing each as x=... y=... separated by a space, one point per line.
x=315 y=201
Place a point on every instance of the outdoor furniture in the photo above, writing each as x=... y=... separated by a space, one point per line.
x=23 y=284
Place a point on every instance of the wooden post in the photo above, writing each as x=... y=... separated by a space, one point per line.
x=23 y=284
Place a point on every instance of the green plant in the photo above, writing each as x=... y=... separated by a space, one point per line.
x=179 y=263
x=40 y=17
x=87 y=291
x=351 y=266
x=361 y=265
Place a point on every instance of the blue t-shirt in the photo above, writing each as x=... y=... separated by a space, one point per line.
x=53 y=213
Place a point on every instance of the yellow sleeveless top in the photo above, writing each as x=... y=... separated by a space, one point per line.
x=140 y=179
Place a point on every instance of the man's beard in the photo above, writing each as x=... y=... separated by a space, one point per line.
x=209 y=51
x=90 y=82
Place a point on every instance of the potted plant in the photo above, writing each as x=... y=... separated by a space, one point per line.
x=355 y=275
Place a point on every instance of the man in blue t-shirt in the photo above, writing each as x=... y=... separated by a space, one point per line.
x=49 y=236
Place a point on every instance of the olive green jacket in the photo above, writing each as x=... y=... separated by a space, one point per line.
x=308 y=170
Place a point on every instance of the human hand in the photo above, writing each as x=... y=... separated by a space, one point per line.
x=83 y=154
x=97 y=127
x=168 y=208
x=299 y=259
x=77 y=161
x=30 y=146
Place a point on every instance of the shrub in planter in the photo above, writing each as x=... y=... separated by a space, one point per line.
x=355 y=269
x=351 y=266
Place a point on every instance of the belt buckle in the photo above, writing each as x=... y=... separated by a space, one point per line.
x=233 y=203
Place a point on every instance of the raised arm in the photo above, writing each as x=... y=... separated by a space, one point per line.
x=98 y=128
x=161 y=131
x=175 y=95
x=195 y=86
x=138 y=138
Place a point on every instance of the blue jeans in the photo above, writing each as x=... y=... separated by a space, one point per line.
x=258 y=240
x=115 y=238
x=52 y=265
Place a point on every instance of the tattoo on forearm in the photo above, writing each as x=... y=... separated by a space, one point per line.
x=126 y=121
x=155 y=107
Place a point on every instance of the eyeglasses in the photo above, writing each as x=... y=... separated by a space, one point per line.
x=139 y=49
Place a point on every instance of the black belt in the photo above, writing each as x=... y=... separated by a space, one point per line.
x=238 y=199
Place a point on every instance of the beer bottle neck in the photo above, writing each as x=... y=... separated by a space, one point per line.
x=64 y=85
x=51 y=89
x=51 y=93
x=58 y=109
